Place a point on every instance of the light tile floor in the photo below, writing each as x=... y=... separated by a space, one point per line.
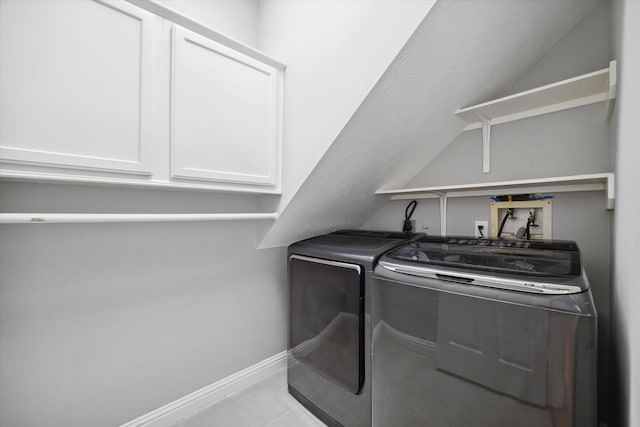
x=264 y=404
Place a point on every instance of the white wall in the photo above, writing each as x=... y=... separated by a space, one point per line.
x=335 y=53
x=237 y=19
x=101 y=323
x=626 y=292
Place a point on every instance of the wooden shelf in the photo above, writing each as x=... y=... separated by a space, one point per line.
x=598 y=86
x=591 y=182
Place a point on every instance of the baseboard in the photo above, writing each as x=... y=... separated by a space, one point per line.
x=175 y=411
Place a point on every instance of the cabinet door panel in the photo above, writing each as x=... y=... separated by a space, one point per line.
x=225 y=114
x=74 y=78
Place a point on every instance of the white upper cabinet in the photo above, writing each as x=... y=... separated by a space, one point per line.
x=225 y=114
x=111 y=92
x=74 y=79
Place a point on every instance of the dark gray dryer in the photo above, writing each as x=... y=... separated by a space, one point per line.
x=481 y=333
x=329 y=370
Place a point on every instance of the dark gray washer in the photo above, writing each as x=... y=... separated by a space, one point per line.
x=455 y=354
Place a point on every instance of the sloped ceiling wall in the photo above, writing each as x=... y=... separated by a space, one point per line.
x=565 y=143
x=463 y=52
x=335 y=51
x=585 y=48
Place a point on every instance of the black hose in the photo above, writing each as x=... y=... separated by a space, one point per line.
x=408 y=212
x=504 y=220
x=530 y=221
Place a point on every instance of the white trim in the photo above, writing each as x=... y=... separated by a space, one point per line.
x=77 y=218
x=197 y=27
x=175 y=411
x=41 y=158
x=124 y=182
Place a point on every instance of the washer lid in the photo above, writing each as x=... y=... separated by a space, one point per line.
x=559 y=259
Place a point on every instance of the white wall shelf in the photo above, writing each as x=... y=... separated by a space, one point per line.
x=591 y=182
x=591 y=88
x=598 y=86
x=77 y=218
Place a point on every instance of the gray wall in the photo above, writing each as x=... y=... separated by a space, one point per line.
x=626 y=237
x=571 y=142
x=101 y=323
x=585 y=48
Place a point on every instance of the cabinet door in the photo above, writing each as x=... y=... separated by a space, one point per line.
x=75 y=81
x=225 y=114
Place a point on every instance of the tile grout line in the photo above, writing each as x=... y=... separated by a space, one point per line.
x=291 y=404
x=279 y=418
x=308 y=412
x=286 y=393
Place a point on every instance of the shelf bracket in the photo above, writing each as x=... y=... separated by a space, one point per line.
x=611 y=93
x=486 y=142
x=443 y=211
x=610 y=189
